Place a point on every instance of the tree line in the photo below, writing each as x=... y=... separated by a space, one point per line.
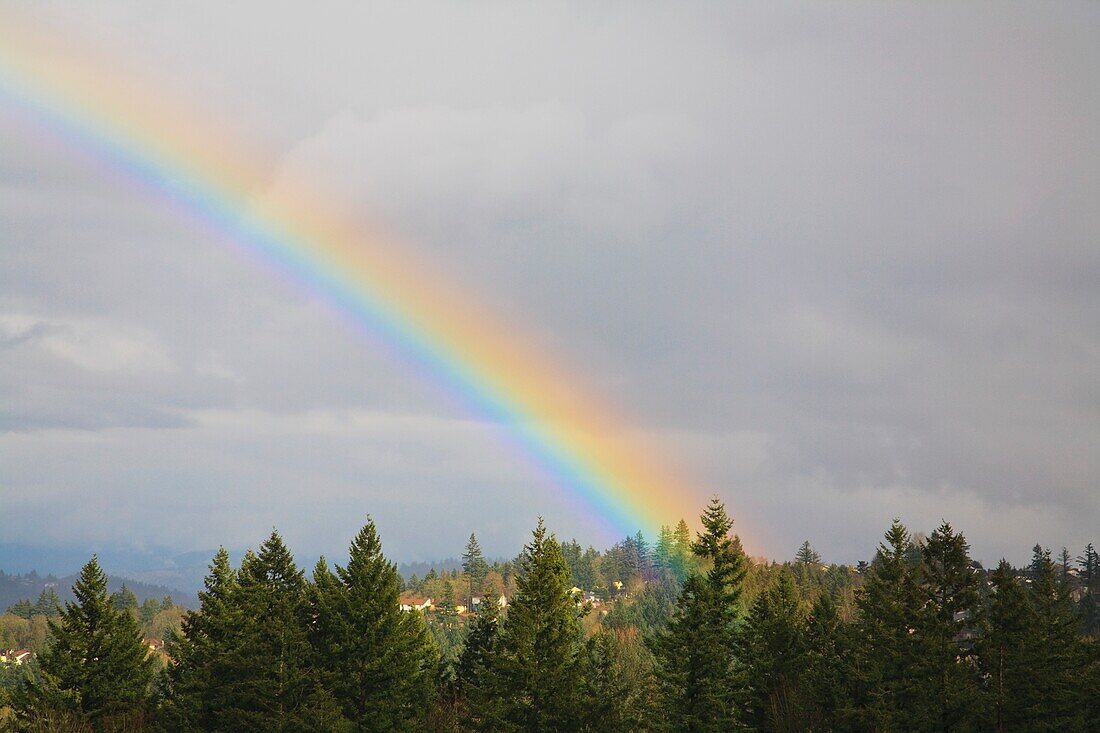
x=698 y=638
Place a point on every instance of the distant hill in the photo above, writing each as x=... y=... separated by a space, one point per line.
x=14 y=588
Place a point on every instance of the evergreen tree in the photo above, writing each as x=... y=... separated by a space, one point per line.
x=96 y=668
x=807 y=555
x=697 y=656
x=48 y=604
x=1002 y=651
x=191 y=699
x=475 y=567
x=777 y=659
x=827 y=668
x=377 y=661
x=124 y=599
x=885 y=683
x=949 y=593
x=1051 y=702
x=533 y=675
x=662 y=552
x=682 y=564
x=480 y=645
x=265 y=679
x=613 y=700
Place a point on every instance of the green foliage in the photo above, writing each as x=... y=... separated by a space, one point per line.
x=1053 y=652
x=885 y=686
x=378 y=662
x=950 y=684
x=96 y=669
x=190 y=697
x=532 y=681
x=777 y=659
x=807 y=555
x=474 y=565
x=697 y=661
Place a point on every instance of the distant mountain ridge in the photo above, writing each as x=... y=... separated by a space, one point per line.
x=16 y=587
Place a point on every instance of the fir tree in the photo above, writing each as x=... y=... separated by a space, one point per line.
x=807 y=555
x=96 y=668
x=777 y=658
x=191 y=698
x=697 y=656
x=886 y=686
x=949 y=594
x=474 y=565
x=827 y=667
x=533 y=674
x=124 y=599
x=1051 y=702
x=613 y=700
x=662 y=552
x=265 y=679
x=682 y=564
x=1002 y=651
x=377 y=661
x=48 y=604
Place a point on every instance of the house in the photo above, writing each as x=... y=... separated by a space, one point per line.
x=410 y=603
x=15 y=656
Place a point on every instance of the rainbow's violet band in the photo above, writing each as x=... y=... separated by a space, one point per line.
x=447 y=339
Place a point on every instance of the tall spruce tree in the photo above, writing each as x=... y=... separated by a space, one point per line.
x=885 y=682
x=189 y=697
x=265 y=680
x=807 y=555
x=827 y=668
x=1002 y=652
x=96 y=669
x=377 y=661
x=697 y=657
x=475 y=567
x=776 y=653
x=1052 y=701
x=533 y=673
x=950 y=683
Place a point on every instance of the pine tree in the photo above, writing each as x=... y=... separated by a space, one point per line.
x=96 y=668
x=377 y=661
x=697 y=656
x=533 y=673
x=613 y=700
x=190 y=691
x=265 y=679
x=949 y=594
x=827 y=667
x=885 y=684
x=662 y=553
x=1002 y=651
x=1053 y=652
x=480 y=644
x=48 y=604
x=475 y=567
x=124 y=599
x=807 y=555
x=682 y=564
x=777 y=659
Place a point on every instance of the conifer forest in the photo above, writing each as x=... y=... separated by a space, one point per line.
x=686 y=633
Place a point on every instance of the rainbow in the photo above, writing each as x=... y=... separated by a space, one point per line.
x=107 y=112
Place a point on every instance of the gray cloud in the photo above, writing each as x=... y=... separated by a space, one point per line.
x=839 y=261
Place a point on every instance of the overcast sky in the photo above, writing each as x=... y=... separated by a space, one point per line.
x=841 y=260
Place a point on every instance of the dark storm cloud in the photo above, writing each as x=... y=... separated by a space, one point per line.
x=840 y=260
